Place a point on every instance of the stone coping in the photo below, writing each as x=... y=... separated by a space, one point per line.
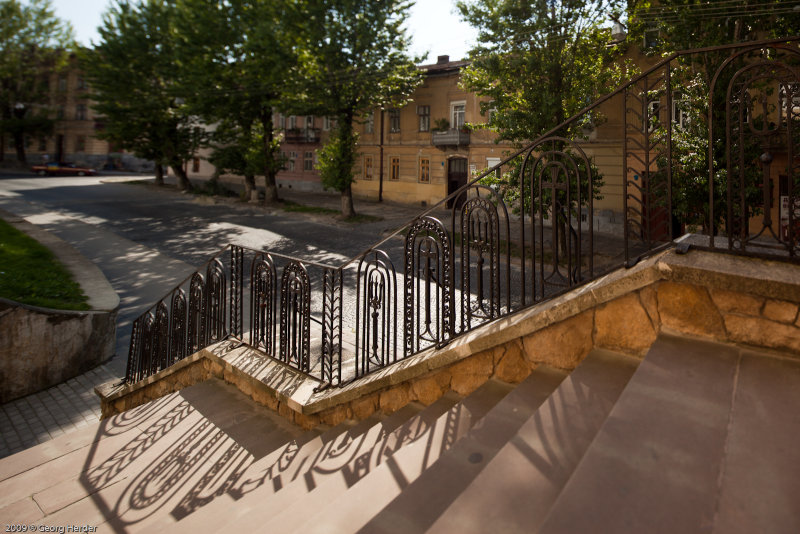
x=770 y=279
x=101 y=296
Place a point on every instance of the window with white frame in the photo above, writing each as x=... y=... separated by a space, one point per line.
x=490 y=111
x=680 y=113
x=309 y=122
x=457 y=114
x=425 y=170
x=369 y=122
x=290 y=165
x=394 y=120
x=789 y=103
x=281 y=121
x=326 y=123
x=292 y=122
x=368 y=167
x=424 y=114
x=308 y=161
x=652 y=117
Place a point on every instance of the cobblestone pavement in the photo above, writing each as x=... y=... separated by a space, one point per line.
x=45 y=415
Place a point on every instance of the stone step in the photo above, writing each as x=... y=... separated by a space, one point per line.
x=655 y=464
x=760 y=485
x=344 y=456
x=535 y=464
x=168 y=456
x=340 y=506
x=421 y=502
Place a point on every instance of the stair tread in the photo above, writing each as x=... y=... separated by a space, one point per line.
x=345 y=508
x=761 y=478
x=182 y=434
x=535 y=464
x=256 y=493
x=654 y=464
x=421 y=502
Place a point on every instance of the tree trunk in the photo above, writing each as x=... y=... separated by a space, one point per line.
x=159 y=174
x=270 y=170
x=348 y=210
x=19 y=145
x=183 y=180
x=250 y=192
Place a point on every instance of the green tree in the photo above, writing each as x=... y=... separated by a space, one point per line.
x=669 y=26
x=672 y=25
x=237 y=64
x=33 y=43
x=357 y=59
x=540 y=61
x=133 y=73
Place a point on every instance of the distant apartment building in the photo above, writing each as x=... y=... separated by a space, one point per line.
x=74 y=136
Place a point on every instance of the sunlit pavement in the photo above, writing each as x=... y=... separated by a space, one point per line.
x=146 y=241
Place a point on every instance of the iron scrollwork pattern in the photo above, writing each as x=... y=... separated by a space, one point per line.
x=237 y=289
x=428 y=317
x=177 y=339
x=215 y=302
x=480 y=242
x=762 y=140
x=148 y=327
x=376 y=313
x=160 y=356
x=197 y=314
x=134 y=351
x=263 y=298
x=647 y=160
x=560 y=186
x=331 y=363
x=296 y=316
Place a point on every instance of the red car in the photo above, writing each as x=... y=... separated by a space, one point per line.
x=64 y=168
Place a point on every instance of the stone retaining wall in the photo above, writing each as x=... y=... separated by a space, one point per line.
x=42 y=347
x=714 y=296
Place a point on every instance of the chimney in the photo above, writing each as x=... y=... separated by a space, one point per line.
x=442 y=59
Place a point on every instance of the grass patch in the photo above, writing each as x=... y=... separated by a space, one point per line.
x=359 y=218
x=31 y=274
x=294 y=207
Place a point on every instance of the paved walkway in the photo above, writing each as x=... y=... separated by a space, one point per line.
x=139 y=275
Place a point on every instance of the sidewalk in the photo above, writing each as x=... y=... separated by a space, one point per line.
x=42 y=416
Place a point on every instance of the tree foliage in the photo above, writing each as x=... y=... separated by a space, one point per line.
x=539 y=62
x=672 y=25
x=356 y=59
x=33 y=43
x=669 y=26
x=133 y=73
x=238 y=61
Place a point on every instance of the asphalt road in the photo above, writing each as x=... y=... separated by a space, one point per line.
x=147 y=240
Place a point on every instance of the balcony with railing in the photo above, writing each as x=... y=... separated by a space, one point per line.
x=302 y=136
x=451 y=137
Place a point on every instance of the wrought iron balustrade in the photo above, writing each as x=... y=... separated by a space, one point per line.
x=724 y=165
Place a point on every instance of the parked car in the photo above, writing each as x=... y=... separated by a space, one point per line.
x=63 y=168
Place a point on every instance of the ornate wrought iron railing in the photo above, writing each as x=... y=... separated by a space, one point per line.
x=705 y=142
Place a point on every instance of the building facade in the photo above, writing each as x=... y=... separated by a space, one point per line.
x=74 y=137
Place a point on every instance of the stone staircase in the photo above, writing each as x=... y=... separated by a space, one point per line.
x=697 y=437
